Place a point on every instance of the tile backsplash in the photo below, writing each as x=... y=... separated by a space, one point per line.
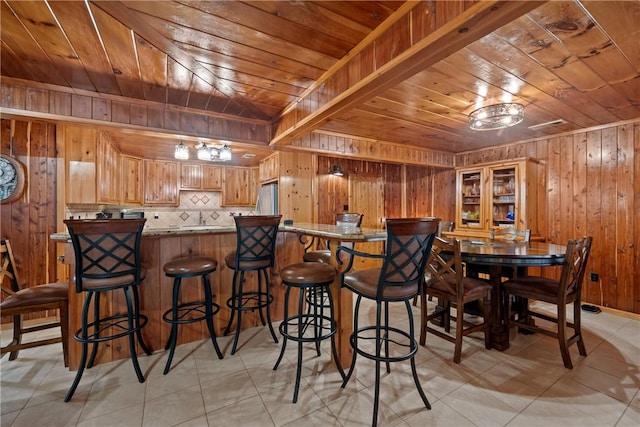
x=196 y=208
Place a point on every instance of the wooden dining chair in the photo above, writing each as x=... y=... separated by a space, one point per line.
x=20 y=301
x=566 y=290
x=446 y=282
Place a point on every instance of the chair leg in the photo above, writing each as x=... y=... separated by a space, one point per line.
x=414 y=371
x=486 y=312
x=136 y=300
x=423 y=318
x=376 y=395
x=173 y=335
x=131 y=322
x=301 y=328
x=562 y=336
x=268 y=293
x=238 y=301
x=577 y=326
x=285 y=326
x=64 y=331
x=96 y=328
x=386 y=335
x=231 y=303
x=457 y=353
x=84 y=334
x=208 y=301
x=17 y=335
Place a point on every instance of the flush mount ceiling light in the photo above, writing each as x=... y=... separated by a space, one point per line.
x=181 y=152
x=496 y=116
x=337 y=170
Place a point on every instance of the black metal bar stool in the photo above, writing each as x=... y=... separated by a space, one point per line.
x=194 y=311
x=314 y=325
x=255 y=251
x=107 y=258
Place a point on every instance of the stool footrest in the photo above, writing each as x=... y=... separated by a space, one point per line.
x=116 y=322
x=398 y=338
x=188 y=308
x=289 y=327
x=250 y=301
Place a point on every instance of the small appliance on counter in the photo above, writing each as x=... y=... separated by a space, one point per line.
x=125 y=213
x=104 y=215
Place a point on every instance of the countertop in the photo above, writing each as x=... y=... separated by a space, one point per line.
x=327 y=231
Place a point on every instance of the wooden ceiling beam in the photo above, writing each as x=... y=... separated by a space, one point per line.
x=454 y=29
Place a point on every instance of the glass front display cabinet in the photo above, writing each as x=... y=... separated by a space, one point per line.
x=500 y=194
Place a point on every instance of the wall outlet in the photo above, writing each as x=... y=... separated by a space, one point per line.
x=345 y=208
x=595 y=277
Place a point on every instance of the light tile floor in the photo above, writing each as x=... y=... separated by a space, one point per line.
x=524 y=386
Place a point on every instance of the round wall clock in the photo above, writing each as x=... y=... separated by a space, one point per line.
x=11 y=179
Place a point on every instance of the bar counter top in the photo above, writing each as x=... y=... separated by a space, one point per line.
x=328 y=231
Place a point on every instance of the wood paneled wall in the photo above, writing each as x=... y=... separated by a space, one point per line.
x=28 y=221
x=410 y=191
x=593 y=188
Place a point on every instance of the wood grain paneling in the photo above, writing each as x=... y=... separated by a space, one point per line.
x=592 y=188
x=28 y=221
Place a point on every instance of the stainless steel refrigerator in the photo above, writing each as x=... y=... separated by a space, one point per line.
x=267 y=203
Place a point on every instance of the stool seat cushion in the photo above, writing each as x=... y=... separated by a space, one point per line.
x=308 y=273
x=323 y=256
x=190 y=265
x=230 y=260
x=365 y=282
x=36 y=295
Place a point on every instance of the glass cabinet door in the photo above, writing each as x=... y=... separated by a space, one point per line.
x=471 y=194
x=504 y=196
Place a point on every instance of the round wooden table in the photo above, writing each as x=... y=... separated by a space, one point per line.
x=496 y=255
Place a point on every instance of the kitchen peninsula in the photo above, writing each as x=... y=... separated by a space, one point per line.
x=160 y=245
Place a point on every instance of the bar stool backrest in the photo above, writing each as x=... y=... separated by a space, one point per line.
x=106 y=248
x=408 y=248
x=256 y=240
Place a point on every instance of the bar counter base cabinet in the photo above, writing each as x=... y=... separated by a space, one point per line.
x=155 y=290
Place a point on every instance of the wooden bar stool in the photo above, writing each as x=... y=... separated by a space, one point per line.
x=182 y=313
x=313 y=325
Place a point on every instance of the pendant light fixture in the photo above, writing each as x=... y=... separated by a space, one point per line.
x=336 y=170
x=181 y=152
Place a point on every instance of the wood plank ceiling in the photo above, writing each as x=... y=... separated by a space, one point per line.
x=574 y=61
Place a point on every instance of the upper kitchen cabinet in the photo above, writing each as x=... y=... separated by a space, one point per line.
x=236 y=190
x=160 y=182
x=270 y=168
x=200 y=177
x=498 y=195
x=92 y=167
x=131 y=182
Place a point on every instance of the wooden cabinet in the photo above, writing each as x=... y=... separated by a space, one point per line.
x=160 y=183
x=200 y=177
x=498 y=195
x=212 y=177
x=131 y=180
x=108 y=171
x=236 y=190
x=92 y=167
x=190 y=177
x=270 y=168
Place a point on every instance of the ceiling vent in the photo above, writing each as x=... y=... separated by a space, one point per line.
x=547 y=124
